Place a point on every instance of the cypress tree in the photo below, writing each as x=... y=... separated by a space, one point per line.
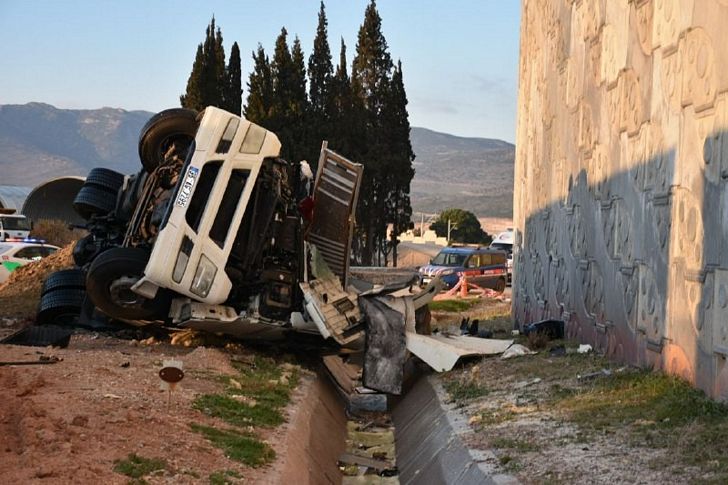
x=259 y=104
x=234 y=90
x=341 y=110
x=371 y=72
x=192 y=99
x=395 y=120
x=282 y=72
x=207 y=81
x=296 y=122
x=320 y=93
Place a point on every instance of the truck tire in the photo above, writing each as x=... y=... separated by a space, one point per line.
x=109 y=281
x=176 y=125
x=60 y=306
x=73 y=279
x=500 y=285
x=93 y=201
x=106 y=179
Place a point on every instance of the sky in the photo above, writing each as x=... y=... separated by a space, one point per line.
x=459 y=58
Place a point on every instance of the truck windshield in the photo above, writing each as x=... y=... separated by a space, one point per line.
x=449 y=259
x=15 y=223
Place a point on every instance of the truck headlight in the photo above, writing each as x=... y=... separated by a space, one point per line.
x=446 y=272
x=204 y=276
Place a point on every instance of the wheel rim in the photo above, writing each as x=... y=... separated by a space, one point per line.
x=122 y=294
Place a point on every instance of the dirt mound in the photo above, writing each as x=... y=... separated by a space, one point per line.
x=19 y=295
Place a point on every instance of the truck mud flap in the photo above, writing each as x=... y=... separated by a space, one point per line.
x=386 y=350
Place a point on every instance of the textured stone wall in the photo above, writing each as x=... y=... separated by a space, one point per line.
x=620 y=185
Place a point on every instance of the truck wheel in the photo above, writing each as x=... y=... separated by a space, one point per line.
x=93 y=201
x=105 y=178
x=73 y=279
x=60 y=306
x=177 y=125
x=500 y=285
x=109 y=281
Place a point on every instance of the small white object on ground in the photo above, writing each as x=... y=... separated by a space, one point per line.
x=584 y=349
x=516 y=350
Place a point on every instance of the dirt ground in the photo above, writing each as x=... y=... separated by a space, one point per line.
x=70 y=422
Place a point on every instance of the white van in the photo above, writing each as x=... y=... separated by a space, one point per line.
x=14 y=226
x=504 y=242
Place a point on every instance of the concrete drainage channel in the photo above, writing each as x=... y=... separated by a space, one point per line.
x=321 y=441
x=429 y=446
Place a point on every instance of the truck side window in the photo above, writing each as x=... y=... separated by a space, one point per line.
x=474 y=261
x=228 y=205
x=499 y=258
x=485 y=260
x=201 y=194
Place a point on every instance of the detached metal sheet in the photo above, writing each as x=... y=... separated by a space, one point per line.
x=336 y=193
x=443 y=352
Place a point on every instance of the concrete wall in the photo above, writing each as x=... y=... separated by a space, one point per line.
x=620 y=184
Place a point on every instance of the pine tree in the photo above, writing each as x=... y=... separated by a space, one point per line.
x=207 y=81
x=233 y=85
x=259 y=104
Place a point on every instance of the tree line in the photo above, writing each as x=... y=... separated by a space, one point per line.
x=363 y=115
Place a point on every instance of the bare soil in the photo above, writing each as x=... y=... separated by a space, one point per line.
x=20 y=293
x=70 y=421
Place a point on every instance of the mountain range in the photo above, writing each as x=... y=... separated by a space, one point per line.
x=39 y=142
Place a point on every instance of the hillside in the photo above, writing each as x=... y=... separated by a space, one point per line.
x=39 y=142
x=471 y=173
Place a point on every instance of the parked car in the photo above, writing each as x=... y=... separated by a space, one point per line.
x=484 y=267
x=14 y=254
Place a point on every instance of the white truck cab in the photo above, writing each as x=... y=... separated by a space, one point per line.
x=192 y=249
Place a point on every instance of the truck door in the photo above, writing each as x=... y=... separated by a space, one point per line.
x=336 y=192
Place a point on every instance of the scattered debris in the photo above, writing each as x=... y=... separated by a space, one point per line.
x=600 y=373
x=43 y=359
x=517 y=350
x=369 y=452
x=558 y=351
x=524 y=384
x=554 y=329
x=40 y=336
x=584 y=349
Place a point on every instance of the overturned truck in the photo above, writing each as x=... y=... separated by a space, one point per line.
x=218 y=233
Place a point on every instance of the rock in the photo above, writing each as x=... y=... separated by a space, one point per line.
x=80 y=420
